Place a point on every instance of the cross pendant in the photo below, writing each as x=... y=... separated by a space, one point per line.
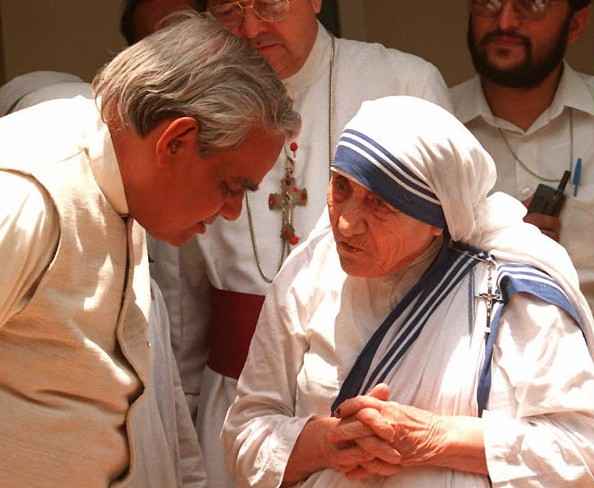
x=492 y=296
x=288 y=198
x=491 y=299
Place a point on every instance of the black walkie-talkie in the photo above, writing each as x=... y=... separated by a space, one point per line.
x=547 y=200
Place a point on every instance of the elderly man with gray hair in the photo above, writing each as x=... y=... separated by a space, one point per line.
x=186 y=121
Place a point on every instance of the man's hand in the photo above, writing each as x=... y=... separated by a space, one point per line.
x=548 y=224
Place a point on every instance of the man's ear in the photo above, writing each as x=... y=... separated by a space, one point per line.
x=579 y=24
x=179 y=139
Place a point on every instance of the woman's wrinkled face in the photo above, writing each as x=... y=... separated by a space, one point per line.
x=372 y=238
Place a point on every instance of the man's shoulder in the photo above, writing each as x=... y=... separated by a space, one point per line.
x=25 y=206
x=464 y=97
x=587 y=78
x=463 y=88
x=70 y=111
x=388 y=58
x=56 y=130
x=375 y=71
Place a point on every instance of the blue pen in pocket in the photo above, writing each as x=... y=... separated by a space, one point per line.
x=577 y=176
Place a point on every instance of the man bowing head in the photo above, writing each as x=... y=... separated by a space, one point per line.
x=185 y=122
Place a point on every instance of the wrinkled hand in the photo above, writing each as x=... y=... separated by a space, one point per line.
x=354 y=444
x=384 y=463
x=548 y=225
x=350 y=443
x=416 y=434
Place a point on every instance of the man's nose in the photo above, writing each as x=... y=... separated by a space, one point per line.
x=509 y=18
x=251 y=26
x=231 y=209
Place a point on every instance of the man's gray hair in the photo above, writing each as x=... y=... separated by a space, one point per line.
x=194 y=67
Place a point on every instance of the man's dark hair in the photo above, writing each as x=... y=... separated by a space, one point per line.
x=579 y=4
x=127 y=19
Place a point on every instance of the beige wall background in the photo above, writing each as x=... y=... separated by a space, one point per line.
x=78 y=36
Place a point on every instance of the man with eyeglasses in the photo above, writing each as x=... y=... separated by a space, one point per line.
x=535 y=115
x=222 y=277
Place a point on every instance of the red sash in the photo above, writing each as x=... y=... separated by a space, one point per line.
x=232 y=325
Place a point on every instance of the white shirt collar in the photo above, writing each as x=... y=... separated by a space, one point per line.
x=572 y=92
x=105 y=167
x=314 y=67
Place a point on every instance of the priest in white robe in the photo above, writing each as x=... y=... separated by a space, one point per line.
x=427 y=337
x=215 y=286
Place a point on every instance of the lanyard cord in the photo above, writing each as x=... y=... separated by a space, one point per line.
x=525 y=166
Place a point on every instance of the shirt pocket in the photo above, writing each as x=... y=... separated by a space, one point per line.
x=577 y=227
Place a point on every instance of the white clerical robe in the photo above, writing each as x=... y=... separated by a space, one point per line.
x=545 y=148
x=539 y=421
x=224 y=257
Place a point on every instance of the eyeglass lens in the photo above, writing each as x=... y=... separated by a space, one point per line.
x=530 y=9
x=232 y=12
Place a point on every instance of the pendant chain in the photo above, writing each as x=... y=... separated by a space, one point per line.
x=284 y=244
x=525 y=166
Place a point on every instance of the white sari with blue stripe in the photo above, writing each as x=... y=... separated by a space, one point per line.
x=309 y=338
x=324 y=336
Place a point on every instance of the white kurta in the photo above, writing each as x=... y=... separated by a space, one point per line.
x=545 y=148
x=29 y=235
x=539 y=422
x=224 y=256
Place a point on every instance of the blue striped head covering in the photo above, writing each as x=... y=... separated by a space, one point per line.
x=420 y=159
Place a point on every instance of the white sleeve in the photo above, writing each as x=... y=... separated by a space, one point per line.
x=434 y=89
x=29 y=233
x=176 y=418
x=181 y=275
x=539 y=429
x=261 y=428
x=191 y=460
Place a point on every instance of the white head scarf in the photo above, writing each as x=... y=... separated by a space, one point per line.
x=423 y=161
x=20 y=87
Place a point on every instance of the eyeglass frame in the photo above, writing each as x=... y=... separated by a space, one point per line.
x=243 y=5
x=523 y=14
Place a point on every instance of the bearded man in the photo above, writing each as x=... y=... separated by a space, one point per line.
x=535 y=114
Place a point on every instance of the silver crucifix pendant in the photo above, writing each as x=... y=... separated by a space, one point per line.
x=492 y=296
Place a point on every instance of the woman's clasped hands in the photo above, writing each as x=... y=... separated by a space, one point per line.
x=376 y=437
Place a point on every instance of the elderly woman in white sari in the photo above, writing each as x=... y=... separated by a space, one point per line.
x=427 y=337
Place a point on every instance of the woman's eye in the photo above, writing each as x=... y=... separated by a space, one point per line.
x=341 y=185
x=378 y=204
